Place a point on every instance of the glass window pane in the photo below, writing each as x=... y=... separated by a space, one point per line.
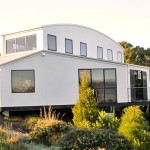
x=52 y=42
x=10 y=46
x=31 y=42
x=119 y=56
x=110 y=95
x=110 y=78
x=133 y=75
x=68 y=46
x=97 y=78
x=86 y=73
x=100 y=52
x=20 y=44
x=110 y=54
x=83 y=49
x=100 y=95
x=23 y=81
x=144 y=79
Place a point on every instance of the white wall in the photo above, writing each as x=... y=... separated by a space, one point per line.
x=56 y=80
x=1 y=45
x=82 y=34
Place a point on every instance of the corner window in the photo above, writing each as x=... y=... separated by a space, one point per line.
x=52 y=44
x=110 y=54
x=119 y=56
x=21 y=44
x=103 y=81
x=99 y=52
x=69 y=46
x=83 y=49
x=23 y=81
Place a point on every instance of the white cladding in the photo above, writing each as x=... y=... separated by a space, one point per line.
x=56 y=79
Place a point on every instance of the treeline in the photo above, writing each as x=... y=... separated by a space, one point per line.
x=135 y=55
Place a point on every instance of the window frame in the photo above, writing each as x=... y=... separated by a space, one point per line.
x=109 y=50
x=118 y=57
x=81 y=49
x=98 y=53
x=12 y=81
x=70 y=40
x=54 y=43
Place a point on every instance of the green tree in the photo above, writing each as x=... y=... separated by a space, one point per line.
x=135 y=128
x=85 y=111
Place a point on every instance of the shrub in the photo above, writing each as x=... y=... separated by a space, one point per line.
x=79 y=139
x=48 y=135
x=85 y=110
x=135 y=128
x=107 y=122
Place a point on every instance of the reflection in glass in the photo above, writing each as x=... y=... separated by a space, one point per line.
x=110 y=54
x=97 y=78
x=110 y=95
x=20 y=44
x=110 y=78
x=10 y=46
x=85 y=73
x=23 y=81
x=31 y=42
x=100 y=95
x=99 y=52
x=83 y=49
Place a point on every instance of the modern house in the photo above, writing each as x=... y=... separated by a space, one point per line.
x=42 y=67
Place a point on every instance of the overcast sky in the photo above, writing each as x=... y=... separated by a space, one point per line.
x=122 y=20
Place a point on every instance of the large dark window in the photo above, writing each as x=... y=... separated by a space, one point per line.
x=52 y=44
x=138 y=81
x=21 y=44
x=23 y=81
x=103 y=81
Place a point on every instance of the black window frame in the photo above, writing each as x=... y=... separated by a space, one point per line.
x=81 y=49
x=97 y=52
x=54 y=43
x=66 y=39
x=12 y=81
x=105 y=88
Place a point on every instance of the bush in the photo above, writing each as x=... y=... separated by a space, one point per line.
x=48 y=135
x=85 y=110
x=107 y=122
x=79 y=139
x=135 y=128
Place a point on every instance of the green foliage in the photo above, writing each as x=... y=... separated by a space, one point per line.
x=48 y=135
x=85 y=110
x=93 y=139
x=136 y=55
x=107 y=121
x=135 y=128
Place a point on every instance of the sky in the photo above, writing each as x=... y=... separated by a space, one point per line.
x=121 y=20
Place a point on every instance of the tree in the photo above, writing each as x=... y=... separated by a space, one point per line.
x=85 y=110
x=135 y=128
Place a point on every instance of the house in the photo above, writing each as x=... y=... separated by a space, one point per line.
x=42 y=67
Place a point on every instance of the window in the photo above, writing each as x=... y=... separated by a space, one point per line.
x=103 y=81
x=119 y=56
x=68 y=46
x=21 y=44
x=23 y=81
x=99 y=52
x=138 y=81
x=52 y=45
x=31 y=42
x=83 y=49
x=110 y=54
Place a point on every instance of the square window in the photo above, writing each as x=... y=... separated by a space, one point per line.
x=68 y=46
x=99 y=52
x=110 y=54
x=52 y=43
x=23 y=81
x=83 y=49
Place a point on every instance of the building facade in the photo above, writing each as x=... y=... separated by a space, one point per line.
x=42 y=67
